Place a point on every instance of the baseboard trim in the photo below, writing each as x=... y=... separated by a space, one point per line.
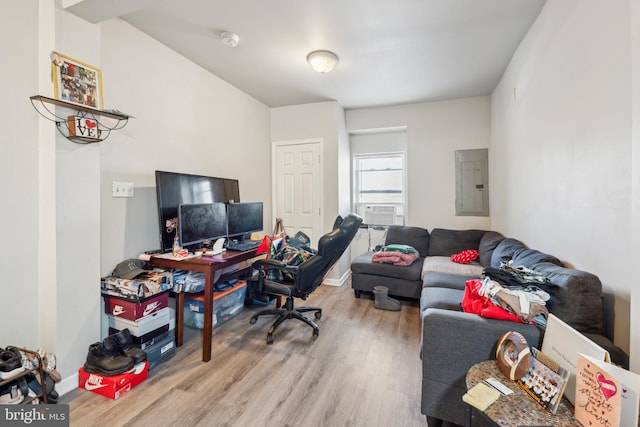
x=67 y=384
x=340 y=281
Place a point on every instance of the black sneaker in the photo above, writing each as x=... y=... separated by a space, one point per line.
x=10 y=363
x=125 y=342
x=102 y=361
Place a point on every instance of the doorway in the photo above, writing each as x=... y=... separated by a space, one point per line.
x=297 y=186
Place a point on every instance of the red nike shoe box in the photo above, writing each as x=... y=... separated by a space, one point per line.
x=116 y=386
x=133 y=310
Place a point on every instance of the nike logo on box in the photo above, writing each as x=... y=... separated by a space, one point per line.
x=149 y=309
x=118 y=310
x=93 y=382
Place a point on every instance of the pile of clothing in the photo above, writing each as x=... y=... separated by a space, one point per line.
x=396 y=254
x=510 y=292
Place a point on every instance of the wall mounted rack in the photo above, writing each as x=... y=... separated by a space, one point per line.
x=86 y=125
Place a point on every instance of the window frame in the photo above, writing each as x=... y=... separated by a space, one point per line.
x=359 y=205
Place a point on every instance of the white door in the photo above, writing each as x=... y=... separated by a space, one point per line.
x=298 y=187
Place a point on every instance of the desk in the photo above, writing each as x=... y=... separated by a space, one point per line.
x=209 y=269
x=516 y=409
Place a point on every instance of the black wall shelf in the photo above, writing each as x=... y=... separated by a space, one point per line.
x=107 y=120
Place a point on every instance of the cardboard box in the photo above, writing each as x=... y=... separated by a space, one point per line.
x=147 y=339
x=115 y=386
x=144 y=286
x=142 y=326
x=226 y=305
x=132 y=310
x=163 y=349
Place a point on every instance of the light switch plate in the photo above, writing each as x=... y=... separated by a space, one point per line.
x=122 y=189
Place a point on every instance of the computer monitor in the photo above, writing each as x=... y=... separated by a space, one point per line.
x=244 y=218
x=201 y=222
x=175 y=188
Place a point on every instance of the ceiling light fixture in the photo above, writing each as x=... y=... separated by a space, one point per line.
x=229 y=38
x=322 y=61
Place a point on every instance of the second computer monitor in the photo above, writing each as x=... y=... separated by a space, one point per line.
x=201 y=222
x=244 y=218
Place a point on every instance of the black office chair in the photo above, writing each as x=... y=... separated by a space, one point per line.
x=301 y=280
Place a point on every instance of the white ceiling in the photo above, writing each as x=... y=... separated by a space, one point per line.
x=391 y=52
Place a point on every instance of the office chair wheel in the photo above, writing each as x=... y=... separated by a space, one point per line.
x=316 y=332
x=318 y=314
x=269 y=338
x=253 y=320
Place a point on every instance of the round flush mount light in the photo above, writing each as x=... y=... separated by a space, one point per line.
x=229 y=38
x=322 y=61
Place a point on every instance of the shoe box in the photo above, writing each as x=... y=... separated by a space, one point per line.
x=226 y=304
x=144 y=286
x=115 y=386
x=143 y=325
x=134 y=310
x=162 y=349
x=148 y=339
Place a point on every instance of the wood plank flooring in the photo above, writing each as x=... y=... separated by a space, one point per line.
x=363 y=370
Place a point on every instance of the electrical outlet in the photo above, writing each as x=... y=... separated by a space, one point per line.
x=122 y=189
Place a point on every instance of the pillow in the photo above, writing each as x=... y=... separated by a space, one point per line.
x=444 y=242
x=505 y=250
x=416 y=237
x=530 y=257
x=488 y=243
x=465 y=257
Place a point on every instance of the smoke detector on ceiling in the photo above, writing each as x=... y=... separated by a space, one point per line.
x=229 y=38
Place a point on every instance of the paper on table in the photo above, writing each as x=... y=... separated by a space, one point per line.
x=481 y=396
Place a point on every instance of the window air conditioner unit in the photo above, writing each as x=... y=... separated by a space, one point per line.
x=380 y=215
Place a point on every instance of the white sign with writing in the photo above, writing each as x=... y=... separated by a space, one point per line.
x=563 y=344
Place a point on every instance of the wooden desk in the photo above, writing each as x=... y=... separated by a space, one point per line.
x=209 y=269
x=516 y=409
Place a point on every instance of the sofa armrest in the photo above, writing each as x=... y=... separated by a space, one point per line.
x=452 y=342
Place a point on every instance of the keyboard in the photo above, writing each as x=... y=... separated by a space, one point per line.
x=245 y=245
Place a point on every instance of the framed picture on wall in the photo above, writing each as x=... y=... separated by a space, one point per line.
x=76 y=82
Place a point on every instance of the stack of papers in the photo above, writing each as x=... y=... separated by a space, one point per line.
x=481 y=396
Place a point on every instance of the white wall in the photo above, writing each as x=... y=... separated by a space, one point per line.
x=435 y=131
x=635 y=68
x=560 y=157
x=77 y=181
x=20 y=173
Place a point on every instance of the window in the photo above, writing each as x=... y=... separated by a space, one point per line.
x=379 y=187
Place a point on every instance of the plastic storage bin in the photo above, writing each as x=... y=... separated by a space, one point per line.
x=226 y=305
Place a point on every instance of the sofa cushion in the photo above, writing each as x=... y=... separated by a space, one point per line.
x=443 y=242
x=488 y=244
x=416 y=237
x=364 y=265
x=579 y=301
x=446 y=280
x=443 y=264
x=505 y=250
x=444 y=298
x=530 y=257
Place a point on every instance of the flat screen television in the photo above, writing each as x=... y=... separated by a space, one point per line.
x=174 y=189
x=244 y=218
x=201 y=222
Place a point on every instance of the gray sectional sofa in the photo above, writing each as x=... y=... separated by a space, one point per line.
x=452 y=340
